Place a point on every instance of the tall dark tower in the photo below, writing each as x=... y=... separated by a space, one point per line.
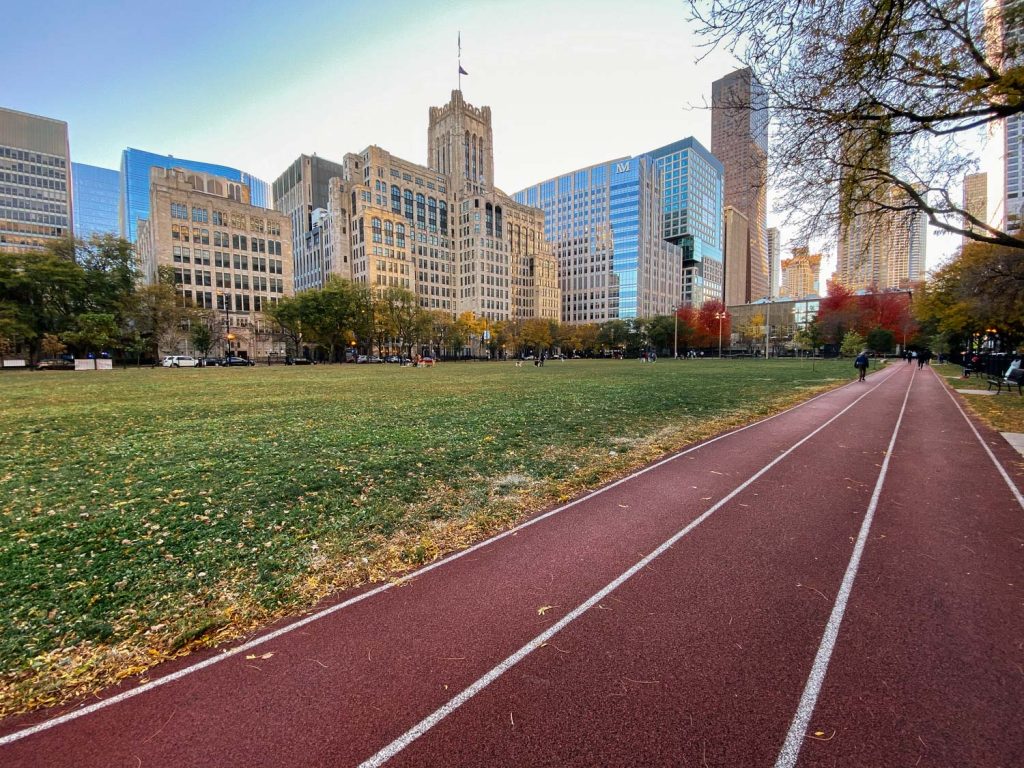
x=739 y=138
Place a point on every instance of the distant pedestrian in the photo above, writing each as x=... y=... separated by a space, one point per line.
x=861 y=364
x=908 y=356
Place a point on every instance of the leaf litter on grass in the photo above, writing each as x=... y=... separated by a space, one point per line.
x=168 y=514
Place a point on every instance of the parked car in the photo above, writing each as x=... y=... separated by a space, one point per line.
x=55 y=364
x=233 y=361
x=362 y=359
x=210 y=362
x=374 y=359
x=179 y=361
x=392 y=359
x=297 y=361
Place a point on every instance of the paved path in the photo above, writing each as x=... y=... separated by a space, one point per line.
x=838 y=585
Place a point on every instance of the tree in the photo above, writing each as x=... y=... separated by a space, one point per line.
x=536 y=335
x=289 y=315
x=685 y=328
x=660 y=332
x=881 y=340
x=808 y=337
x=981 y=287
x=612 y=334
x=96 y=332
x=110 y=273
x=752 y=331
x=852 y=344
x=39 y=293
x=396 y=311
x=871 y=96
x=441 y=330
x=837 y=313
x=467 y=327
x=711 y=330
x=154 y=312
x=52 y=346
x=202 y=338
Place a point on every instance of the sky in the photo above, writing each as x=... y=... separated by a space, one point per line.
x=255 y=84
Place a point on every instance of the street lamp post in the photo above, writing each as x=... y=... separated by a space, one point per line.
x=720 y=316
x=767 y=326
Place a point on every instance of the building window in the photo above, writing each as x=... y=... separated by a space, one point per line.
x=200 y=215
x=179 y=211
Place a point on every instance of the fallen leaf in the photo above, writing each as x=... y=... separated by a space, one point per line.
x=544 y=609
x=264 y=656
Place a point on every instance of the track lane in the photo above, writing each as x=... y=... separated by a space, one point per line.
x=360 y=673
x=929 y=666
x=703 y=656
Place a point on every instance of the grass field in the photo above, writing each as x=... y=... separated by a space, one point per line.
x=145 y=512
x=1004 y=412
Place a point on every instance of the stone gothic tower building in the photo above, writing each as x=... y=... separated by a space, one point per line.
x=460 y=143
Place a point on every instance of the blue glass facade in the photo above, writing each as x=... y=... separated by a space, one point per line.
x=692 y=181
x=134 y=196
x=637 y=235
x=604 y=224
x=95 y=193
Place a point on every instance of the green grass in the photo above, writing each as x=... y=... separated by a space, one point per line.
x=146 y=511
x=1003 y=412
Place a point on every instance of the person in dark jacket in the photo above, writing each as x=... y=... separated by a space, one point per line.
x=861 y=364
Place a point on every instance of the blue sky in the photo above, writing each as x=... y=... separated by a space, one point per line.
x=254 y=84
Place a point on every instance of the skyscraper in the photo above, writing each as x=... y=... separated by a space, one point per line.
x=975 y=201
x=302 y=189
x=692 y=180
x=737 y=257
x=441 y=230
x=635 y=236
x=606 y=226
x=134 y=198
x=1003 y=156
x=35 y=196
x=801 y=274
x=774 y=261
x=739 y=138
x=95 y=196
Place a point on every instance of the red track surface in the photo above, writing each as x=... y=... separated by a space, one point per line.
x=700 y=658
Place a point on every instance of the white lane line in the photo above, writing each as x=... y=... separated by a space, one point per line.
x=74 y=714
x=1009 y=481
x=468 y=693
x=798 y=728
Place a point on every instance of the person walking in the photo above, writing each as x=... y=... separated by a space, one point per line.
x=861 y=364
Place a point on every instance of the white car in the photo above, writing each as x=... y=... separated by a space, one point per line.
x=179 y=361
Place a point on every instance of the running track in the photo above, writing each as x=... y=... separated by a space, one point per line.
x=840 y=585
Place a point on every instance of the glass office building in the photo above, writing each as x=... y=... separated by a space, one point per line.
x=692 y=181
x=636 y=236
x=605 y=226
x=95 y=193
x=134 y=197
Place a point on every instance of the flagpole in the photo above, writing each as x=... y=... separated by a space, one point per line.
x=460 y=60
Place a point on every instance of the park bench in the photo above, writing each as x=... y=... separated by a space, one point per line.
x=1015 y=379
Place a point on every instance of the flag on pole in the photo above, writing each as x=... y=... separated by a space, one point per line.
x=462 y=71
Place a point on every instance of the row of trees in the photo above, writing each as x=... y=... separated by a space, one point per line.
x=882 y=319
x=87 y=298
x=84 y=298
x=344 y=315
x=979 y=293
